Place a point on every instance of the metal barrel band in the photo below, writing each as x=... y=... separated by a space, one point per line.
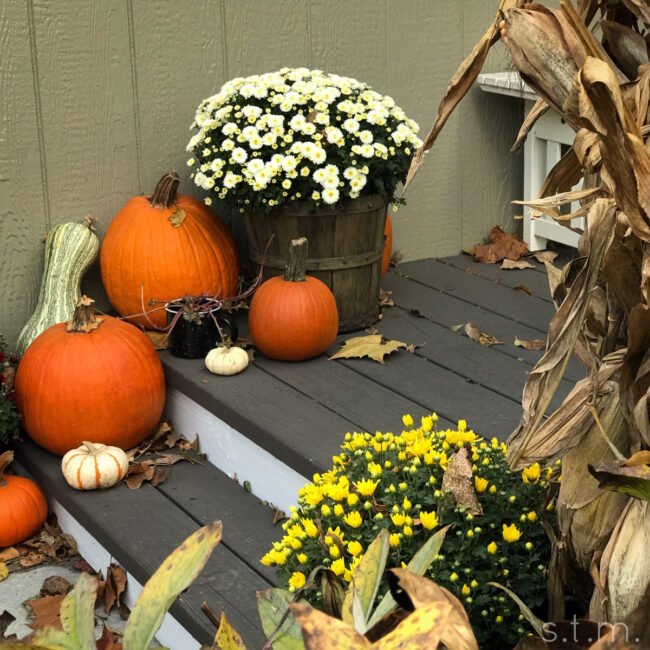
x=323 y=263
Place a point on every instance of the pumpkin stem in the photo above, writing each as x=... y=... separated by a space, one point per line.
x=296 y=261
x=92 y=448
x=84 y=319
x=5 y=461
x=89 y=222
x=165 y=194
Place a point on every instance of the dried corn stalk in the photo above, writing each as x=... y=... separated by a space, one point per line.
x=590 y=63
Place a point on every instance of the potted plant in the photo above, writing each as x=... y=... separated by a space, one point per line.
x=9 y=420
x=301 y=153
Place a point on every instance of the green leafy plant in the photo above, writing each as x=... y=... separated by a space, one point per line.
x=410 y=485
x=175 y=574
x=9 y=419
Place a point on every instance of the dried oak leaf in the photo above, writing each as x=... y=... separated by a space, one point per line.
x=177 y=217
x=385 y=298
x=532 y=344
x=545 y=256
x=278 y=515
x=8 y=553
x=114 y=586
x=139 y=473
x=46 y=612
x=459 y=480
x=55 y=586
x=160 y=340
x=371 y=346
x=6 y=619
x=501 y=246
x=475 y=333
x=108 y=641
x=509 y=265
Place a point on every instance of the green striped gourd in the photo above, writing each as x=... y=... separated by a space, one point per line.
x=70 y=249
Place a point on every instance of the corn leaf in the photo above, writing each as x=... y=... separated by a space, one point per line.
x=176 y=574
x=323 y=632
x=633 y=480
x=272 y=605
x=227 y=637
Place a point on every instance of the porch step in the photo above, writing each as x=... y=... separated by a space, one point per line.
x=137 y=529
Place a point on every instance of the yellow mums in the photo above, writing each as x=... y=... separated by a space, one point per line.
x=366 y=487
x=353 y=519
x=297 y=580
x=531 y=474
x=429 y=520
x=492 y=548
x=480 y=484
x=511 y=533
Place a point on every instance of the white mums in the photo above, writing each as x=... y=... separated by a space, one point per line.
x=299 y=134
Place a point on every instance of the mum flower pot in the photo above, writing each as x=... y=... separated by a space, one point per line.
x=346 y=245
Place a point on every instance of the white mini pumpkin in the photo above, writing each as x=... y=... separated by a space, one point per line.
x=93 y=466
x=226 y=360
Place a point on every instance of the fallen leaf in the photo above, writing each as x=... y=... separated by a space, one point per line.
x=532 y=344
x=4 y=572
x=160 y=340
x=139 y=473
x=46 y=612
x=545 y=256
x=371 y=346
x=8 y=554
x=114 y=587
x=459 y=480
x=169 y=459
x=278 y=515
x=159 y=476
x=475 y=333
x=55 y=586
x=82 y=565
x=32 y=559
x=501 y=246
x=177 y=217
x=6 y=619
x=227 y=637
x=414 y=346
x=516 y=264
x=470 y=251
x=371 y=330
x=456 y=328
x=187 y=446
x=204 y=381
x=524 y=289
x=385 y=299
x=395 y=259
x=108 y=641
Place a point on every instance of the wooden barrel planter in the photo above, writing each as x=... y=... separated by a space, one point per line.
x=346 y=244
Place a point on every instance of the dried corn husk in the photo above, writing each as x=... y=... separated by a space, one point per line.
x=624 y=568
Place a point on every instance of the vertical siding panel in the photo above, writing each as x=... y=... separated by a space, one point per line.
x=88 y=116
x=492 y=177
x=179 y=61
x=423 y=52
x=22 y=198
x=265 y=36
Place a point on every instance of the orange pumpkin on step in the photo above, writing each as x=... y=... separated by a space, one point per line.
x=23 y=507
x=163 y=247
x=91 y=378
x=293 y=317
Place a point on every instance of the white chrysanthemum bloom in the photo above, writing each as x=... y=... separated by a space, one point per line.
x=322 y=118
x=380 y=148
x=260 y=92
x=331 y=169
x=307 y=148
x=286 y=106
x=397 y=137
x=227 y=145
x=249 y=132
x=239 y=155
x=365 y=136
x=315 y=196
x=286 y=183
x=190 y=162
x=289 y=163
x=297 y=122
x=331 y=182
x=274 y=120
x=256 y=143
x=304 y=171
x=255 y=165
x=349 y=172
x=345 y=106
x=320 y=174
x=330 y=195
x=247 y=90
x=367 y=150
x=354 y=195
x=217 y=164
x=229 y=128
x=358 y=182
x=318 y=155
x=194 y=140
x=269 y=139
x=309 y=128
x=251 y=111
x=272 y=168
x=356 y=148
x=263 y=177
x=351 y=125
x=230 y=180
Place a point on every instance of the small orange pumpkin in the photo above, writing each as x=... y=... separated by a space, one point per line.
x=293 y=317
x=166 y=246
x=388 y=246
x=97 y=378
x=23 y=507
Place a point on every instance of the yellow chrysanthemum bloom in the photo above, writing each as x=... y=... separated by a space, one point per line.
x=473 y=584
x=313 y=494
x=531 y=474
x=408 y=531
x=407 y=505
x=466 y=591
x=353 y=519
x=480 y=484
x=429 y=520
x=268 y=560
x=326 y=511
x=493 y=489
x=492 y=548
x=338 y=566
x=398 y=518
x=511 y=533
x=338 y=510
x=355 y=548
x=394 y=540
x=427 y=423
x=453 y=577
x=297 y=580
x=334 y=550
x=295 y=543
x=407 y=420
x=353 y=499
x=310 y=527
x=532 y=516
x=374 y=469
x=366 y=487
x=302 y=558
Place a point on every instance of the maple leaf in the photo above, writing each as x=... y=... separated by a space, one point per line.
x=516 y=264
x=371 y=346
x=46 y=612
x=501 y=246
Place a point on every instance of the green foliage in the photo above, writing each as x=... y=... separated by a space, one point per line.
x=395 y=483
x=9 y=420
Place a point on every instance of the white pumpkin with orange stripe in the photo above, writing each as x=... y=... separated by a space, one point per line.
x=93 y=466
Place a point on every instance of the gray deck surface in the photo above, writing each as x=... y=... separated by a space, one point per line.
x=299 y=412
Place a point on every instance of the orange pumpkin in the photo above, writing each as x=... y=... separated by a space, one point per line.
x=163 y=247
x=388 y=246
x=97 y=379
x=293 y=317
x=23 y=508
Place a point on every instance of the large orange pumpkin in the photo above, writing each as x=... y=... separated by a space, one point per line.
x=97 y=379
x=293 y=317
x=388 y=246
x=163 y=247
x=23 y=508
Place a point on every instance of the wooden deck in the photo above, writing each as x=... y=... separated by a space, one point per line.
x=277 y=423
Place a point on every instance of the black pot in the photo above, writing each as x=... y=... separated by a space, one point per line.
x=193 y=340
